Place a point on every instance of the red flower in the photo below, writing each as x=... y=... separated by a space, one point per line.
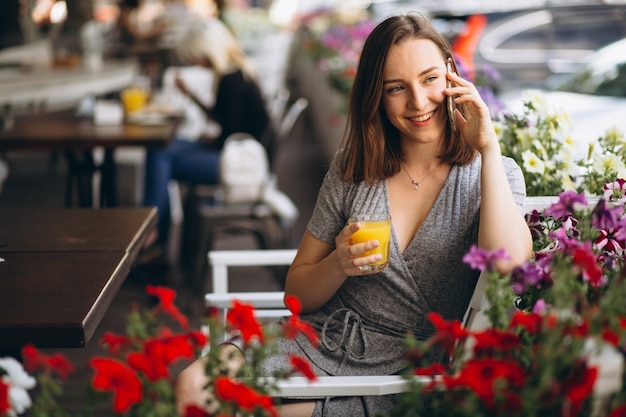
x=303 y=366
x=529 y=321
x=619 y=411
x=160 y=353
x=495 y=339
x=448 y=332
x=5 y=406
x=114 y=343
x=580 y=386
x=294 y=326
x=166 y=298
x=112 y=375
x=35 y=360
x=480 y=375
x=585 y=259
x=241 y=317
x=242 y=395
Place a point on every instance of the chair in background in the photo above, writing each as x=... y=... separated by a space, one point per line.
x=269 y=305
x=269 y=220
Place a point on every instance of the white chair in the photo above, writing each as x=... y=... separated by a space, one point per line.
x=269 y=305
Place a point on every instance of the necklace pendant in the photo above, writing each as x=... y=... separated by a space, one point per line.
x=416 y=185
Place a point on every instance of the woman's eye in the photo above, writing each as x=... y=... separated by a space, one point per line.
x=431 y=79
x=394 y=89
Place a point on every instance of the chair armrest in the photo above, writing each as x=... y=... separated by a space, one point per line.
x=264 y=299
x=342 y=386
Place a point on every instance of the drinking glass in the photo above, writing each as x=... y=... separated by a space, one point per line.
x=373 y=227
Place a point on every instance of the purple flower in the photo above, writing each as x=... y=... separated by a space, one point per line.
x=481 y=259
x=566 y=204
x=524 y=276
x=540 y=306
x=606 y=218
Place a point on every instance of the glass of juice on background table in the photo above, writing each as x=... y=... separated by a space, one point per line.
x=373 y=227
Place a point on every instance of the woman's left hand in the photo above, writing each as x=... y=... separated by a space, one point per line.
x=475 y=125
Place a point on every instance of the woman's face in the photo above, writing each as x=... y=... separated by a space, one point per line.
x=413 y=82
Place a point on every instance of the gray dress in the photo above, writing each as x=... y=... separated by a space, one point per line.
x=363 y=326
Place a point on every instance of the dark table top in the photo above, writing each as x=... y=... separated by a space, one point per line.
x=64 y=130
x=61 y=270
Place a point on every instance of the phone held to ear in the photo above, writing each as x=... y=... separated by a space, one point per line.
x=451 y=105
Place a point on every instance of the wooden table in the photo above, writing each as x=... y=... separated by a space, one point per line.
x=61 y=270
x=77 y=137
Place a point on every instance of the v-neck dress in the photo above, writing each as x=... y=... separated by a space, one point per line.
x=363 y=327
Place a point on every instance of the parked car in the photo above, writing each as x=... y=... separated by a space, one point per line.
x=528 y=46
x=594 y=96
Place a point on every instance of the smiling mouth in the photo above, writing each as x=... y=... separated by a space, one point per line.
x=422 y=118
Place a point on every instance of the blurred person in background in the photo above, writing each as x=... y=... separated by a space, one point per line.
x=238 y=107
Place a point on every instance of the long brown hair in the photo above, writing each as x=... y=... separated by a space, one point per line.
x=371 y=148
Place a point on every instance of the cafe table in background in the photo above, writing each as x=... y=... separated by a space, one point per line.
x=77 y=137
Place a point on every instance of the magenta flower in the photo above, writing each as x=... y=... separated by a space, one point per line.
x=481 y=259
x=606 y=218
x=566 y=204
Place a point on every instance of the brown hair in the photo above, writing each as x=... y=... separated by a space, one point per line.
x=371 y=148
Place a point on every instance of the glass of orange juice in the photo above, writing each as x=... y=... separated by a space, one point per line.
x=373 y=227
x=134 y=99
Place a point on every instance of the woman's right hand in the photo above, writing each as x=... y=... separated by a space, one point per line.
x=348 y=254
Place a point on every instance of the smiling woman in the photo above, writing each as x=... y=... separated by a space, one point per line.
x=468 y=194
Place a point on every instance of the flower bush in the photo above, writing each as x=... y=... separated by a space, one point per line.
x=334 y=40
x=133 y=377
x=541 y=142
x=555 y=338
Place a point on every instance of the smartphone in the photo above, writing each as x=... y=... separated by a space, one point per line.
x=451 y=105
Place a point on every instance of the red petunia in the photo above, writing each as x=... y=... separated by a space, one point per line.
x=481 y=375
x=245 y=397
x=241 y=317
x=580 y=386
x=585 y=260
x=57 y=363
x=495 y=339
x=159 y=353
x=112 y=375
x=5 y=406
x=114 y=343
x=529 y=321
x=448 y=332
x=293 y=326
x=302 y=366
x=166 y=298
x=619 y=411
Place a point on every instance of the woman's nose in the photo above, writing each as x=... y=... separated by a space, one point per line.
x=418 y=98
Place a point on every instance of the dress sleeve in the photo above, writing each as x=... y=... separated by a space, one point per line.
x=329 y=216
x=516 y=181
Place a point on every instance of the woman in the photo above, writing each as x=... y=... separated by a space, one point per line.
x=238 y=107
x=445 y=190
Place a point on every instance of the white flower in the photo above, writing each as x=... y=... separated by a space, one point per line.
x=608 y=163
x=532 y=163
x=19 y=382
x=537 y=100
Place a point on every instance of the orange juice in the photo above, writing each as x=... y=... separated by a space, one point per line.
x=134 y=99
x=379 y=230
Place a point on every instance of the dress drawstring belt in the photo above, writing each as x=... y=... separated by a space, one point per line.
x=352 y=329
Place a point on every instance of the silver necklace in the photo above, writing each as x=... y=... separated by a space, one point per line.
x=416 y=185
